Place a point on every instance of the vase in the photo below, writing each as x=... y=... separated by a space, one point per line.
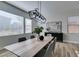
x=38 y=36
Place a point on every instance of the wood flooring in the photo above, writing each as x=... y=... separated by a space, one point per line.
x=66 y=50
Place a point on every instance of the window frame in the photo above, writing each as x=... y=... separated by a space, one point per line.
x=68 y=24
x=24 y=26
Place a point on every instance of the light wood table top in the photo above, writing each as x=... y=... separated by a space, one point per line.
x=28 y=48
x=6 y=53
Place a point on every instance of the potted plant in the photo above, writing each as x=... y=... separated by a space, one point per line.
x=38 y=30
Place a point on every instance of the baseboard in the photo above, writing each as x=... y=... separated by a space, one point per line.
x=71 y=41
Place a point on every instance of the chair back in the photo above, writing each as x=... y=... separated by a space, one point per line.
x=50 y=49
x=22 y=39
x=32 y=36
x=54 y=44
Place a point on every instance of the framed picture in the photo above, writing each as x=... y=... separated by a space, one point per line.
x=54 y=26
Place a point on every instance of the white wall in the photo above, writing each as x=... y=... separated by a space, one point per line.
x=71 y=37
x=53 y=11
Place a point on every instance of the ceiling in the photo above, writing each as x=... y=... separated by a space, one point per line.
x=25 y=5
x=51 y=6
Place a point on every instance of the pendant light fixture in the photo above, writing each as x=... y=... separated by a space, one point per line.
x=36 y=14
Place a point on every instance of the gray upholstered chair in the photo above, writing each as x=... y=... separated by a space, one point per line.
x=50 y=50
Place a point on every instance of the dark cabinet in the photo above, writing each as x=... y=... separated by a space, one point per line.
x=59 y=36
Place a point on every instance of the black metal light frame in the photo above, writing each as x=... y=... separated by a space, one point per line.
x=34 y=14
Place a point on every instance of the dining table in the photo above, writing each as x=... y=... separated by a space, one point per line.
x=28 y=48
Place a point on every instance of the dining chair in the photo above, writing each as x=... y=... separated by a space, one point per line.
x=32 y=36
x=21 y=39
x=50 y=50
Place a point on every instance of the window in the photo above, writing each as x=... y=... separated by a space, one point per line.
x=10 y=24
x=28 y=25
x=73 y=24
